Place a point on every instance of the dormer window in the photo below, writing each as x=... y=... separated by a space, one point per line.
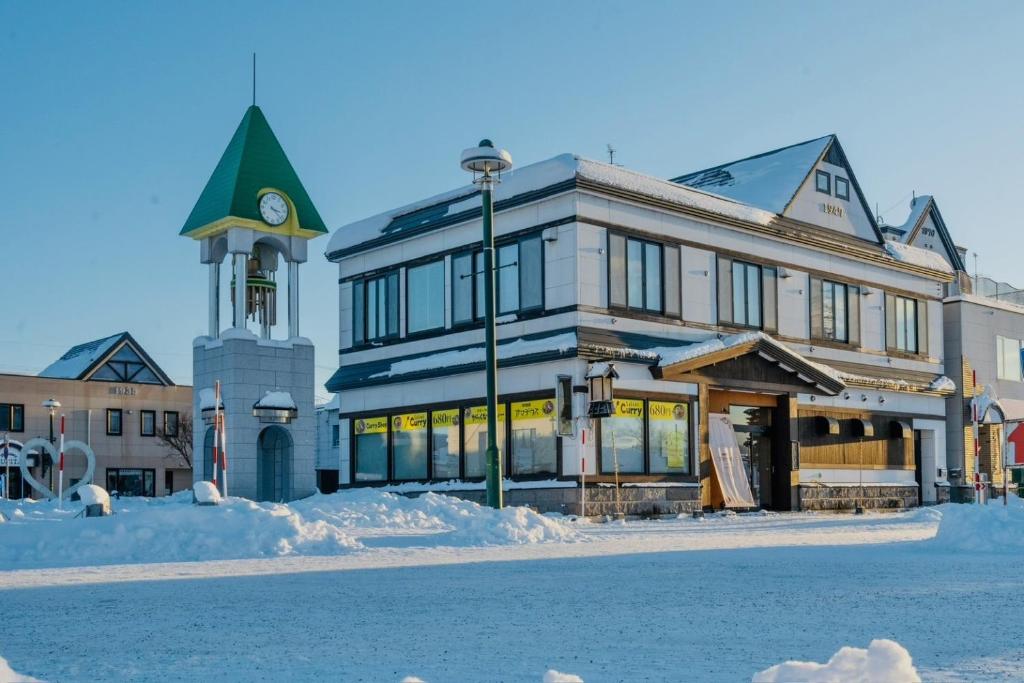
x=823 y=182
x=842 y=188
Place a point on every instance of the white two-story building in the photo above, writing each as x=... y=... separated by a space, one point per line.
x=773 y=350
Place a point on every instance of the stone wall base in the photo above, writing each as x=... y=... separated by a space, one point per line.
x=845 y=498
x=646 y=501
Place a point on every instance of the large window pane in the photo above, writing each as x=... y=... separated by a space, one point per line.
x=753 y=296
x=474 y=424
x=371 y=448
x=508 y=278
x=425 y=297
x=531 y=273
x=409 y=445
x=669 y=437
x=901 y=324
x=371 y=310
x=391 y=304
x=462 y=288
x=358 y=312
x=622 y=438
x=533 y=438
x=635 y=273
x=445 y=443
x=616 y=270
x=739 y=293
x=828 y=313
x=840 y=312
x=652 y=276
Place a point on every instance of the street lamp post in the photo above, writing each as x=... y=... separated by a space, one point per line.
x=483 y=161
x=51 y=406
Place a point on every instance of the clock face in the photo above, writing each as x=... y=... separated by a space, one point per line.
x=273 y=208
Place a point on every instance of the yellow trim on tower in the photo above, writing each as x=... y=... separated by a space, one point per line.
x=290 y=228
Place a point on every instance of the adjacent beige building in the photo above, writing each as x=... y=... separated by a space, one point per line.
x=114 y=398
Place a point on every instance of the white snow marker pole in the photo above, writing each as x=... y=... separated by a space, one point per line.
x=583 y=476
x=60 y=475
x=216 y=430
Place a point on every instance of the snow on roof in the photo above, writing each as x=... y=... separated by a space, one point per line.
x=917 y=208
x=943 y=384
x=544 y=174
x=281 y=400
x=768 y=181
x=904 y=253
x=520 y=347
x=80 y=358
x=601 y=370
x=333 y=404
x=208 y=399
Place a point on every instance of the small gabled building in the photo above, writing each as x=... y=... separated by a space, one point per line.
x=772 y=349
x=984 y=337
x=115 y=398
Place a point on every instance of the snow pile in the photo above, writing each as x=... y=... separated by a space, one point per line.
x=171 y=529
x=9 y=675
x=943 y=384
x=552 y=676
x=91 y=494
x=206 y=493
x=885 y=661
x=915 y=256
x=463 y=522
x=992 y=528
x=281 y=400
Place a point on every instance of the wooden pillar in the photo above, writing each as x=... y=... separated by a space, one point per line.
x=704 y=444
x=793 y=425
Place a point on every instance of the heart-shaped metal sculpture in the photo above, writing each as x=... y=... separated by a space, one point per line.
x=44 y=445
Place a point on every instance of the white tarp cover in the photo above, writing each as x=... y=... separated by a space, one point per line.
x=728 y=463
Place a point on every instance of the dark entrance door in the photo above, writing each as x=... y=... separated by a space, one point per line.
x=753 y=427
x=917 y=467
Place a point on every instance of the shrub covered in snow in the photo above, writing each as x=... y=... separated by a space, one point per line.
x=206 y=493
x=885 y=661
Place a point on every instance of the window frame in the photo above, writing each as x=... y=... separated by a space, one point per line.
x=13 y=409
x=142 y=422
x=1001 y=369
x=643 y=308
x=363 y=282
x=846 y=311
x=846 y=183
x=120 y=421
x=901 y=303
x=143 y=470
x=746 y=296
x=691 y=447
x=407 y=300
x=475 y=276
x=177 y=422
x=818 y=176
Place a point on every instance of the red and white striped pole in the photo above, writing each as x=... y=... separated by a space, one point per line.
x=216 y=429
x=60 y=475
x=977 y=439
x=223 y=444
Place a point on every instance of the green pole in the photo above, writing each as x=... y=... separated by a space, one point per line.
x=494 y=498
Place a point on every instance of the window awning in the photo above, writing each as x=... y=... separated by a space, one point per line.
x=862 y=427
x=901 y=429
x=827 y=425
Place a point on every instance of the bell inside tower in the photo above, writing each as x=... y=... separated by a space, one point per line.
x=260 y=288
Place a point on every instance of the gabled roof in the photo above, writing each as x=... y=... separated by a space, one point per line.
x=771 y=180
x=252 y=161
x=108 y=359
x=921 y=208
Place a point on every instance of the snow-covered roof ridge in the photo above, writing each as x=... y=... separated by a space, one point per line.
x=915 y=256
x=918 y=205
x=81 y=357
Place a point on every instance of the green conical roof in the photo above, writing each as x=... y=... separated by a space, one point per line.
x=252 y=161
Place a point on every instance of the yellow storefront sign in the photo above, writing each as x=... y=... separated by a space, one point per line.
x=371 y=425
x=441 y=419
x=662 y=410
x=627 y=407
x=410 y=422
x=477 y=415
x=533 y=410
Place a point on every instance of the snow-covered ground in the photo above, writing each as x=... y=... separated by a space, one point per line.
x=385 y=588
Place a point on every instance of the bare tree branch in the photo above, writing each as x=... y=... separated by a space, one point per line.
x=181 y=441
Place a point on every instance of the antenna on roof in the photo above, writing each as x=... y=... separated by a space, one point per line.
x=254 y=79
x=878 y=215
x=913 y=197
x=611 y=154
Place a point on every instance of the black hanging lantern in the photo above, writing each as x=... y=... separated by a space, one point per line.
x=600 y=380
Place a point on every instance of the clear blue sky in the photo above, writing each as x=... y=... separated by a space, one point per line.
x=114 y=115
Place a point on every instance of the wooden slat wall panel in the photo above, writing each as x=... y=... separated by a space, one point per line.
x=849 y=451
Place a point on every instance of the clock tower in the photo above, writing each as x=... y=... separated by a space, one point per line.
x=255 y=215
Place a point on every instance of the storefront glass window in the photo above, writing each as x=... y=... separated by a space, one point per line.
x=425 y=297
x=409 y=445
x=474 y=422
x=534 y=448
x=371 y=448
x=622 y=438
x=445 y=443
x=669 y=436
